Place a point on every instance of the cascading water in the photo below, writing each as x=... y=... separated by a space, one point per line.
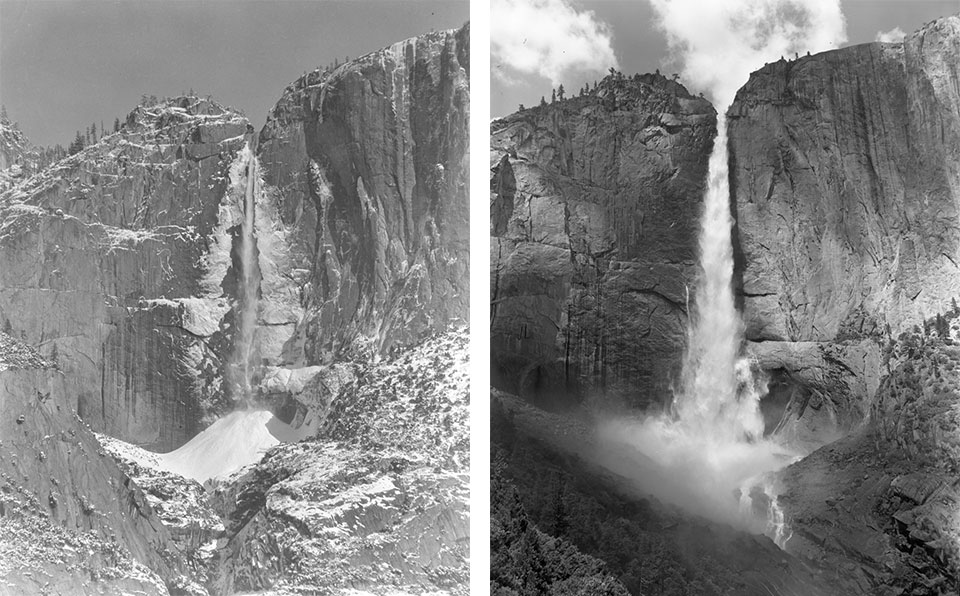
x=708 y=453
x=718 y=397
x=242 y=369
x=712 y=440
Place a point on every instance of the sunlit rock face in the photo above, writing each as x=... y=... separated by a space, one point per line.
x=69 y=518
x=368 y=164
x=595 y=203
x=120 y=278
x=379 y=500
x=846 y=180
x=116 y=263
x=18 y=158
x=846 y=183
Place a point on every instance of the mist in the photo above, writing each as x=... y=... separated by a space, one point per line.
x=718 y=44
x=707 y=453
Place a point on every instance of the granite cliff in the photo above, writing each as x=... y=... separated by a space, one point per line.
x=107 y=269
x=594 y=231
x=368 y=164
x=121 y=274
x=845 y=184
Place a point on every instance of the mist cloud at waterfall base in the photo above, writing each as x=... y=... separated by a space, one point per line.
x=697 y=472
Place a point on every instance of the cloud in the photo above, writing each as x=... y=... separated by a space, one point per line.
x=892 y=36
x=548 y=38
x=719 y=43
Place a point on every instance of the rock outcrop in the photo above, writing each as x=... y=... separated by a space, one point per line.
x=378 y=501
x=69 y=518
x=877 y=510
x=595 y=202
x=116 y=264
x=846 y=179
x=846 y=183
x=368 y=164
x=119 y=266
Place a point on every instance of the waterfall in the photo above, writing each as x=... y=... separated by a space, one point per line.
x=711 y=442
x=710 y=445
x=718 y=396
x=246 y=176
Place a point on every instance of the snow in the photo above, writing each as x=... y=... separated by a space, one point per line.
x=229 y=444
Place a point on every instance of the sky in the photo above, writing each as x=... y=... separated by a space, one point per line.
x=586 y=37
x=67 y=64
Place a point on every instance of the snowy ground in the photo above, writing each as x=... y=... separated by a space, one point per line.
x=231 y=443
x=376 y=504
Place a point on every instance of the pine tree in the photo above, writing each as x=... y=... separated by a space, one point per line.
x=560 y=522
x=531 y=565
x=116 y=125
x=77 y=145
x=543 y=101
x=553 y=96
x=942 y=327
x=560 y=92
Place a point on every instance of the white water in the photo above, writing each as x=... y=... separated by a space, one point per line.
x=718 y=399
x=708 y=453
x=246 y=176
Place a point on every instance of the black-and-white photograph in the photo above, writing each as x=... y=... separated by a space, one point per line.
x=724 y=284
x=234 y=290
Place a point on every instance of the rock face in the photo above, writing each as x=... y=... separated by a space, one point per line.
x=120 y=265
x=378 y=501
x=361 y=231
x=110 y=267
x=368 y=165
x=877 y=510
x=18 y=157
x=69 y=518
x=846 y=183
x=846 y=178
x=595 y=203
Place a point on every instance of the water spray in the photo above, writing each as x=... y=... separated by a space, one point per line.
x=713 y=436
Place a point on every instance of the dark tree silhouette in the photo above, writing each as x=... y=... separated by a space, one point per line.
x=77 y=145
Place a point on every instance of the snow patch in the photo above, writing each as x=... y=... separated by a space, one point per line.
x=229 y=444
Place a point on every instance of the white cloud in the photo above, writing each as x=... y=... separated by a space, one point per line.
x=894 y=35
x=721 y=42
x=548 y=38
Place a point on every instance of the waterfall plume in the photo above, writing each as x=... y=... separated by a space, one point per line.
x=242 y=366
x=711 y=441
